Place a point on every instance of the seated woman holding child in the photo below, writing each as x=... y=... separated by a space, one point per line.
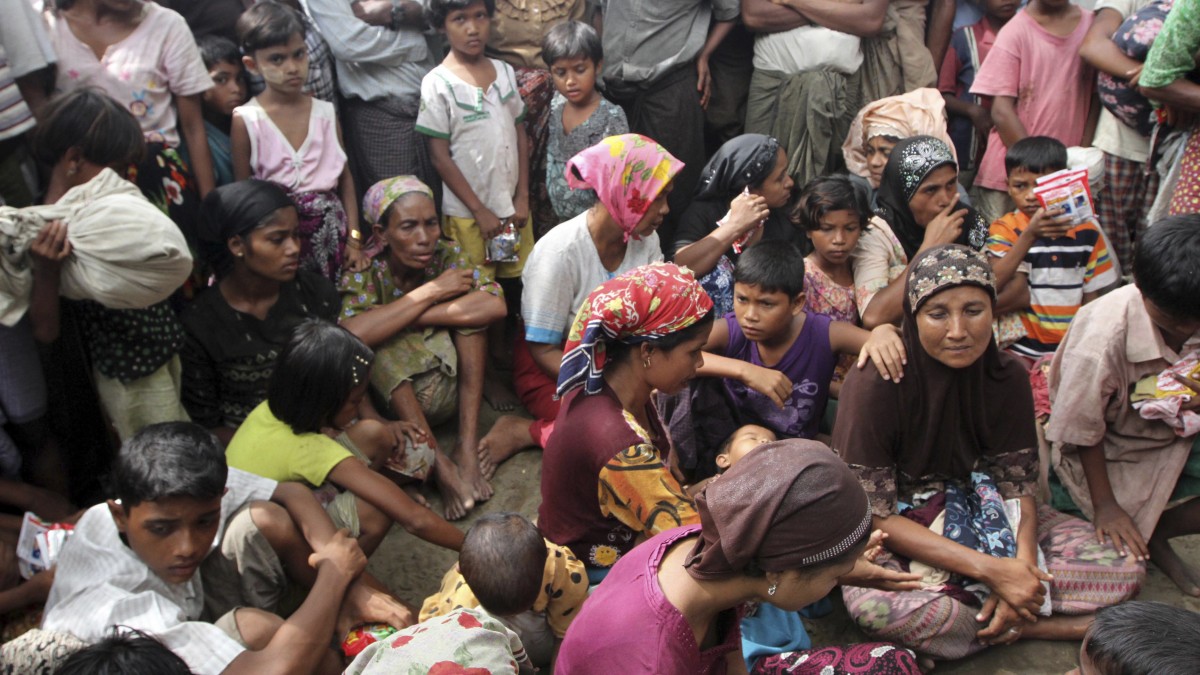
x=605 y=478
x=423 y=307
x=949 y=458
x=617 y=234
x=236 y=329
x=747 y=179
x=917 y=207
x=808 y=527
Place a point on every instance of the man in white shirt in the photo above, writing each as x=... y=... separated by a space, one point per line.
x=188 y=541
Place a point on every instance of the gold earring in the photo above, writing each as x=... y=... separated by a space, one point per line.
x=646 y=362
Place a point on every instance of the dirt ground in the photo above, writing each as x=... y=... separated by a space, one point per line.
x=413 y=569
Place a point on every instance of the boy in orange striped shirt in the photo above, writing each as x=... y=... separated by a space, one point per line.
x=1067 y=265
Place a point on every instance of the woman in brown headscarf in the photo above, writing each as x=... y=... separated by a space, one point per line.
x=948 y=456
x=781 y=527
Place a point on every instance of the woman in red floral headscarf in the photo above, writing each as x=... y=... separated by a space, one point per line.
x=605 y=477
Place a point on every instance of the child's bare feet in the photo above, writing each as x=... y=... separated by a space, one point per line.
x=507 y=436
x=471 y=468
x=498 y=394
x=456 y=493
x=1164 y=556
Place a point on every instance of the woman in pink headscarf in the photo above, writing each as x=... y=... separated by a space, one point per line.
x=631 y=176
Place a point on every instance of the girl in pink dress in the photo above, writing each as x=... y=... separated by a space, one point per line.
x=287 y=137
x=833 y=215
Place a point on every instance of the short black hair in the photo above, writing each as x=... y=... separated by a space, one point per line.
x=503 y=560
x=773 y=266
x=267 y=24
x=169 y=459
x=1036 y=154
x=1164 y=265
x=315 y=374
x=129 y=652
x=437 y=10
x=88 y=119
x=216 y=49
x=571 y=39
x=1144 y=638
x=824 y=195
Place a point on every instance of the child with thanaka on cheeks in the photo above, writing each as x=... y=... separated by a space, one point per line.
x=579 y=116
x=287 y=137
x=778 y=356
x=834 y=215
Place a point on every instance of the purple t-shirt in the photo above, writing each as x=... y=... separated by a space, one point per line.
x=809 y=363
x=628 y=625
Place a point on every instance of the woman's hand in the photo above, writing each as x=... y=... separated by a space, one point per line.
x=945 y=228
x=1113 y=522
x=51 y=246
x=1018 y=583
x=407 y=431
x=768 y=382
x=356 y=259
x=867 y=574
x=885 y=349
x=451 y=284
x=1004 y=624
x=746 y=211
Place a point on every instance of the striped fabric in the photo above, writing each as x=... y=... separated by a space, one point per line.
x=15 y=116
x=1061 y=271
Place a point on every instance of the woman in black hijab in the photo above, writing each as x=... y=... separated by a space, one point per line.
x=747 y=179
x=236 y=328
x=918 y=198
x=948 y=456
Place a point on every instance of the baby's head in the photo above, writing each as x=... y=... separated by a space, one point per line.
x=574 y=56
x=1141 y=638
x=503 y=559
x=740 y=442
x=1028 y=160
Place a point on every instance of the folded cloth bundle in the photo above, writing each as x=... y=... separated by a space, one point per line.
x=1161 y=397
x=125 y=253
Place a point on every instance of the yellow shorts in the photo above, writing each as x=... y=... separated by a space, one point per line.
x=466 y=233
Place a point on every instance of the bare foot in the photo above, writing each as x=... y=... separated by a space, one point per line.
x=1164 y=555
x=499 y=395
x=456 y=493
x=470 y=467
x=508 y=435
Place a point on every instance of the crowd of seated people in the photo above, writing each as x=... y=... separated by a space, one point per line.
x=775 y=290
